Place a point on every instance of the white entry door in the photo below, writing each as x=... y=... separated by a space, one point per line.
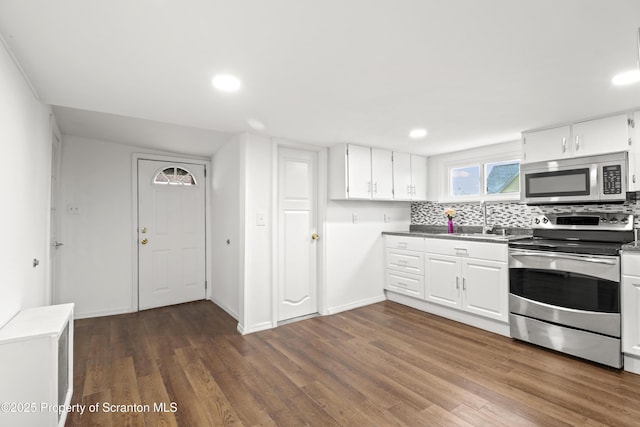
x=171 y=233
x=298 y=233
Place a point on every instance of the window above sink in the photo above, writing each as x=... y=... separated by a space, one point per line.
x=490 y=173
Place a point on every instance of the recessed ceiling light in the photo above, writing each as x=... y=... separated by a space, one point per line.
x=226 y=83
x=256 y=124
x=418 y=133
x=626 y=78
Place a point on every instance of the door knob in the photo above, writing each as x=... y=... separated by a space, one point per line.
x=315 y=236
x=144 y=241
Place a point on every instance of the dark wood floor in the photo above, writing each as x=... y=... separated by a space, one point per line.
x=381 y=365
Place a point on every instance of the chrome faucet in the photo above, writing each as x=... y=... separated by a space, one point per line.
x=485 y=227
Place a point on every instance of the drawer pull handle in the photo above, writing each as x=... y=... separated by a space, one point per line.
x=402 y=284
x=402 y=244
x=402 y=262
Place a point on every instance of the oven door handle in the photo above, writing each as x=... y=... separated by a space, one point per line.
x=571 y=257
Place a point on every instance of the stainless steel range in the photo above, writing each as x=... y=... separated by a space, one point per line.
x=564 y=290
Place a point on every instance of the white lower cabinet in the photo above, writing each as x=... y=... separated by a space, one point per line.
x=404 y=262
x=477 y=286
x=464 y=280
x=631 y=310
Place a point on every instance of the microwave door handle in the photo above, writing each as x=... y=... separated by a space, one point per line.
x=571 y=257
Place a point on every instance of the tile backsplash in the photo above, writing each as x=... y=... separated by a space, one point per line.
x=505 y=214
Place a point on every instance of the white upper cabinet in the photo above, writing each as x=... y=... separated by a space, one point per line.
x=546 y=144
x=402 y=187
x=419 y=177
x=591 y=137
x=607 y=135
x=360 y=173
x=363 y=173
x=382 y=174
x=409 y=177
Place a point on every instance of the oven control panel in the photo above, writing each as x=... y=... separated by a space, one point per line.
x=583 y=221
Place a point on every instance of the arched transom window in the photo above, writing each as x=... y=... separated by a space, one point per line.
x=174 y=176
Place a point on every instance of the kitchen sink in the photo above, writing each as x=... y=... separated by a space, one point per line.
x=483 y=236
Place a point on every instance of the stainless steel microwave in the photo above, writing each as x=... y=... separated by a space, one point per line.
x=591 y=179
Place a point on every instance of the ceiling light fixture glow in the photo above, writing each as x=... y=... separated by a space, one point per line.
x=629 y=77
x=226 y=83
x=626 y=78
x=417 y=133
x=256 y=124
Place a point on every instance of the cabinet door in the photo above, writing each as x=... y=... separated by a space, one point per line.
x=631 y=315
x=485 y=288
x=381 y=174
x=419 y=177
x=634 y=155
x=601 y=136
x=548 y=144
x=359 y=164
x=402 y=189
x=442 y=279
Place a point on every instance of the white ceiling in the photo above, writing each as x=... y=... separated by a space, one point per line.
x=364 y=71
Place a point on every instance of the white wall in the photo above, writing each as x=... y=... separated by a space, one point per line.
x=225 y=225
x=96 y=261
x=355 y=252
x=25 y=148
x=256 y=192
x=354 y=274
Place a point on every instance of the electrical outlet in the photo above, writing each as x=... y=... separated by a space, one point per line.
x=354 y=217
x=387 y=218
x=73 y=209
x=261 y=219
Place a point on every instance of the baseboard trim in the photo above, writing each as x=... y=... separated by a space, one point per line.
x=357 y=304
x=225 y=308
x=490 y=325
x=255 y=328
x=102 y=313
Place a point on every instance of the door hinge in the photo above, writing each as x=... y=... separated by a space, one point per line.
x=630 y=143
x=631 y=122
x=206 y=285
x=205 y=171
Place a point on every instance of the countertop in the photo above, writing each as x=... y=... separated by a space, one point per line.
x=631 y=247
x=469 y=233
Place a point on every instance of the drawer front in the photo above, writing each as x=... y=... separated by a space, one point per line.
x=468 y=249
x=631 y=263
x=405 y=242
x=406 y=261
x=409 y=284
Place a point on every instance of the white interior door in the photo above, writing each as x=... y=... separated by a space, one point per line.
x=298 y=233
x=171 y=233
